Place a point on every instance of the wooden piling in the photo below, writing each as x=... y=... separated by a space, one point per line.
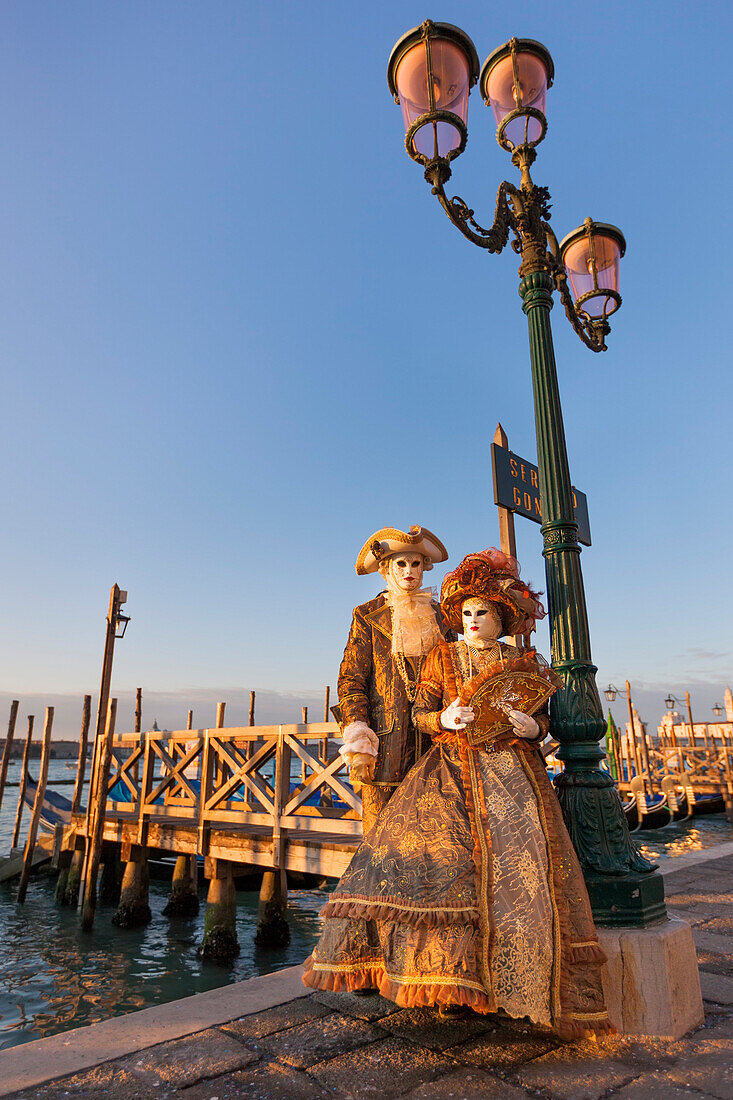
x=134 y=910
x=138 y=710
x=98 y=808
x=189 y=721
x=251 y=708
x=110 y=878
x=82 y=760
x=23 y=780
x=272 y=925
x=30 y=843
x=183 y=900
x=220 y=942
x=8 y=745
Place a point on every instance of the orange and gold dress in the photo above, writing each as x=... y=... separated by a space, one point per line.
x=467 y=891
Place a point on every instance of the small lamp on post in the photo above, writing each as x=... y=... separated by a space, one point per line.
x=717 y=710
x=121 y=624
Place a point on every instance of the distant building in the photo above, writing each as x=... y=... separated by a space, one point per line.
x=59 y=750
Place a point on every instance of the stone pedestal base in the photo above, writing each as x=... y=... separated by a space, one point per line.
x=651 y=982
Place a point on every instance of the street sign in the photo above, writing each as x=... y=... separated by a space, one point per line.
x=517 y=487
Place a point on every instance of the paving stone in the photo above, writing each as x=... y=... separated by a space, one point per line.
x=265 y=1081
x=93 y=1083
x=318 y=1040
x=365 y=1008
x=386 y=1069
x=717 y=988
x=502 y=1048
x=709 y=1069
x=564 y=1072
x=467 y=1084
x=425 y=1027
x=186 y=1061
x=717 y=1026
x=713 y=963
x=271 y=1020
x=721 y=926
x=657 y=1086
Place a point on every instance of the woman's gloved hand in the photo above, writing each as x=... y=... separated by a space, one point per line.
x=524 y=724
x=456 y=717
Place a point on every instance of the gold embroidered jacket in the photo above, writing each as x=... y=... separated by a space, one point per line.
x=371 y=690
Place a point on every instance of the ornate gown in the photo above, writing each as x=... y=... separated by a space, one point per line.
x=467 y=891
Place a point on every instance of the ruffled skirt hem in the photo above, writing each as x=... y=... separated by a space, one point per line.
x=433 y=995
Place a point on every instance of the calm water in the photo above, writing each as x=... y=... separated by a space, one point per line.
x=54 y=977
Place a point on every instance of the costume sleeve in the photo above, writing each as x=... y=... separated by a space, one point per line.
x=354 y=673
x=429 y=696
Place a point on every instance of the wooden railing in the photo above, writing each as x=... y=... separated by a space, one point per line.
x=240 y=778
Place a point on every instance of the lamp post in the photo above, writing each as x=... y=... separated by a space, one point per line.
x=611 y=692
x=670 y=702
x=431 y=72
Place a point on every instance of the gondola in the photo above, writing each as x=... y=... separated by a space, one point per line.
x=708 y=804
x=55 y=809
x=655 y=813
x=676 y=799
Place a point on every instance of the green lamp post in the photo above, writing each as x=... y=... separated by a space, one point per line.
x=431 y=72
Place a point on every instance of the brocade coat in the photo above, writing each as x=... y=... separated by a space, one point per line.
x=371 y=690
x=467 y=890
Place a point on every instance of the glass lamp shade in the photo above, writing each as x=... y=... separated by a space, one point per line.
x=669 y=702
x=514 y=81
x=121 y=625
x=610 y=693
x=717 y=710
x=591 y=255
x=430 y=74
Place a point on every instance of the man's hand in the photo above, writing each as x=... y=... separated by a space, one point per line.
x=524 y=724
x=361 y=768
x=455 y=717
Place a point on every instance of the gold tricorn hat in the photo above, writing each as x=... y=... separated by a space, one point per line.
x=390 y=540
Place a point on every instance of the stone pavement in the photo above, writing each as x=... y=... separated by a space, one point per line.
x=337 y=1045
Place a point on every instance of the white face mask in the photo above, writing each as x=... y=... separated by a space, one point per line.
x=481 y=622
x=404 y=572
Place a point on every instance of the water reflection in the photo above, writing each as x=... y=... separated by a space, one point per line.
x=53 y=976
x=685 y=836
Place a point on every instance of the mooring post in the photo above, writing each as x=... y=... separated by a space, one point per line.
x=8 y=745
x=138 y=709
x=134 y=910
x=183 y=900
x=82 y=761
x=96 y=833
x=189 y=723
x=23 y=779
x=30 y=843
x=220 y=942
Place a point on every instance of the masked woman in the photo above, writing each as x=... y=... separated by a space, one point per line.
x=468 y=890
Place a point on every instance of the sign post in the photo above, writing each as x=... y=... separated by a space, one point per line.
x=516 y=490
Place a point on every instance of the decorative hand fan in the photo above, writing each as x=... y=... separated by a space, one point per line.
x=521 y=684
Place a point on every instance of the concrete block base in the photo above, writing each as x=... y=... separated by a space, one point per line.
x=651 y=981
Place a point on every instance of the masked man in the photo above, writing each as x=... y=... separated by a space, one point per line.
x=389 y=639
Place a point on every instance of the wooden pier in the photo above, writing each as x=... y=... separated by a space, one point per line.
x=265 y=797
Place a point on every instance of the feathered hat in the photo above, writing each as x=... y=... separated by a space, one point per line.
x=494 y=576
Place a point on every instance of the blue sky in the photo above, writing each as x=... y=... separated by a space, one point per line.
x=239 y=335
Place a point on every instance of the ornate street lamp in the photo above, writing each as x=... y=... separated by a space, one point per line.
x=431 y=71
x=717 y=710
